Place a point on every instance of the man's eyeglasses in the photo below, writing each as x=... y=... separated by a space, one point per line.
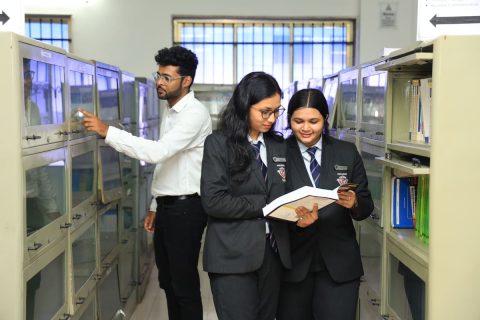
x=29 y=75
x=165 y=77
x=276 y=112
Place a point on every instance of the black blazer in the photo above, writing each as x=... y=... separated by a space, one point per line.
x=235 y=236
x=332 y=236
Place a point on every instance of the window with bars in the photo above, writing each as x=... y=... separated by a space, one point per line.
x=54 y=30
x=290 y=50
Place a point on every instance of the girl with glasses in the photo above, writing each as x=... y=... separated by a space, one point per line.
x=243 y=169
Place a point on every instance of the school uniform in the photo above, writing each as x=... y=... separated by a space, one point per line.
x=243 y=266
x=326 y=265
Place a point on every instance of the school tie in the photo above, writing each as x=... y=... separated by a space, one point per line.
x=314 y=166
x=256 y=150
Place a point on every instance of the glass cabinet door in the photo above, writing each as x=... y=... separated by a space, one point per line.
x=375 y=179
x=128 y=99
x=43 y=85
x=108 y=97
x=373 y=106
x=127 y=275
x=406 y=293
x=108 y=295
x=45 y=195
x=84 y=257
x=348 y=105
x=371 y=239
x=108 y=223
x=83 y=173
x=45 y=291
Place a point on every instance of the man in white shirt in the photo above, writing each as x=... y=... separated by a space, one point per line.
x=176 y=215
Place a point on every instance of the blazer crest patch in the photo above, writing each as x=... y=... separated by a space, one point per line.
x=281 y=171
x=342 y=180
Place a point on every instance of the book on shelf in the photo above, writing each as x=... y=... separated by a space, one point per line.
x=426 y=101
x=283 y=207
x=403 y=199
x=422 y=209
x=420 y=96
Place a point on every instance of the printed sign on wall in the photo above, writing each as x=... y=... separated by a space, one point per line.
x=388 y=14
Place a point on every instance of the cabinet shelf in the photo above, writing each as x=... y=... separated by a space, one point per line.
x=404 y=166
x=378 y=143
x=407 y=62
x=416 y=148
x=405 y=239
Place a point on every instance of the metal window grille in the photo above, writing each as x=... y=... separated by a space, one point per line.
x=54 y=30
x=290 y=50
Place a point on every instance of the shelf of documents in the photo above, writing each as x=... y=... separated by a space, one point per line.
x=408 y=62
x=404 y=166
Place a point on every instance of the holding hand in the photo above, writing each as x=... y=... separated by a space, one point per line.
x=93 y=123
x=347 y=199
x=305 y=216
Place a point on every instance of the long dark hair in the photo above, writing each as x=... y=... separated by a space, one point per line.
x=235 y=120
x=309 y=98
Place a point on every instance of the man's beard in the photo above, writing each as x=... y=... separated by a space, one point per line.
x=172 y=94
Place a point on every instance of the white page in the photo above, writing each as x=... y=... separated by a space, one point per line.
x=284 y=206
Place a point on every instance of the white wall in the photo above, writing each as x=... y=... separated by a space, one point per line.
x=374 y=37
x=127 y=33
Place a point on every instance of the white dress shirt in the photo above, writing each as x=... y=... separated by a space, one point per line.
x=177 y=154
x=306 y=156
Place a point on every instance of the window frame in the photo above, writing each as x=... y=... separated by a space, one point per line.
x=350 y=23
x=48 y=19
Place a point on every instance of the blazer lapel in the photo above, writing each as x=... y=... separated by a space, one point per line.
x=327 y=158
x=297 y=162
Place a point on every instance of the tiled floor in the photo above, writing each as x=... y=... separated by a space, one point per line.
x=154 y=305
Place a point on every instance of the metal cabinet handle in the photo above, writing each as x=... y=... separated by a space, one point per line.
x=33 y=137
x=375 y=302
x=80 y=300
x=66 y=316
x=77 y=216
x=66 y=226
x=36 y=246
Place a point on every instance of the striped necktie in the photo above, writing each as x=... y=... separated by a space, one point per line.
x=256 y=150
x=314 y=166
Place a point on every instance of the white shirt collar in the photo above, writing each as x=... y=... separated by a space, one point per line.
x=303 y=148
x=178 y=107
x=259 y=139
